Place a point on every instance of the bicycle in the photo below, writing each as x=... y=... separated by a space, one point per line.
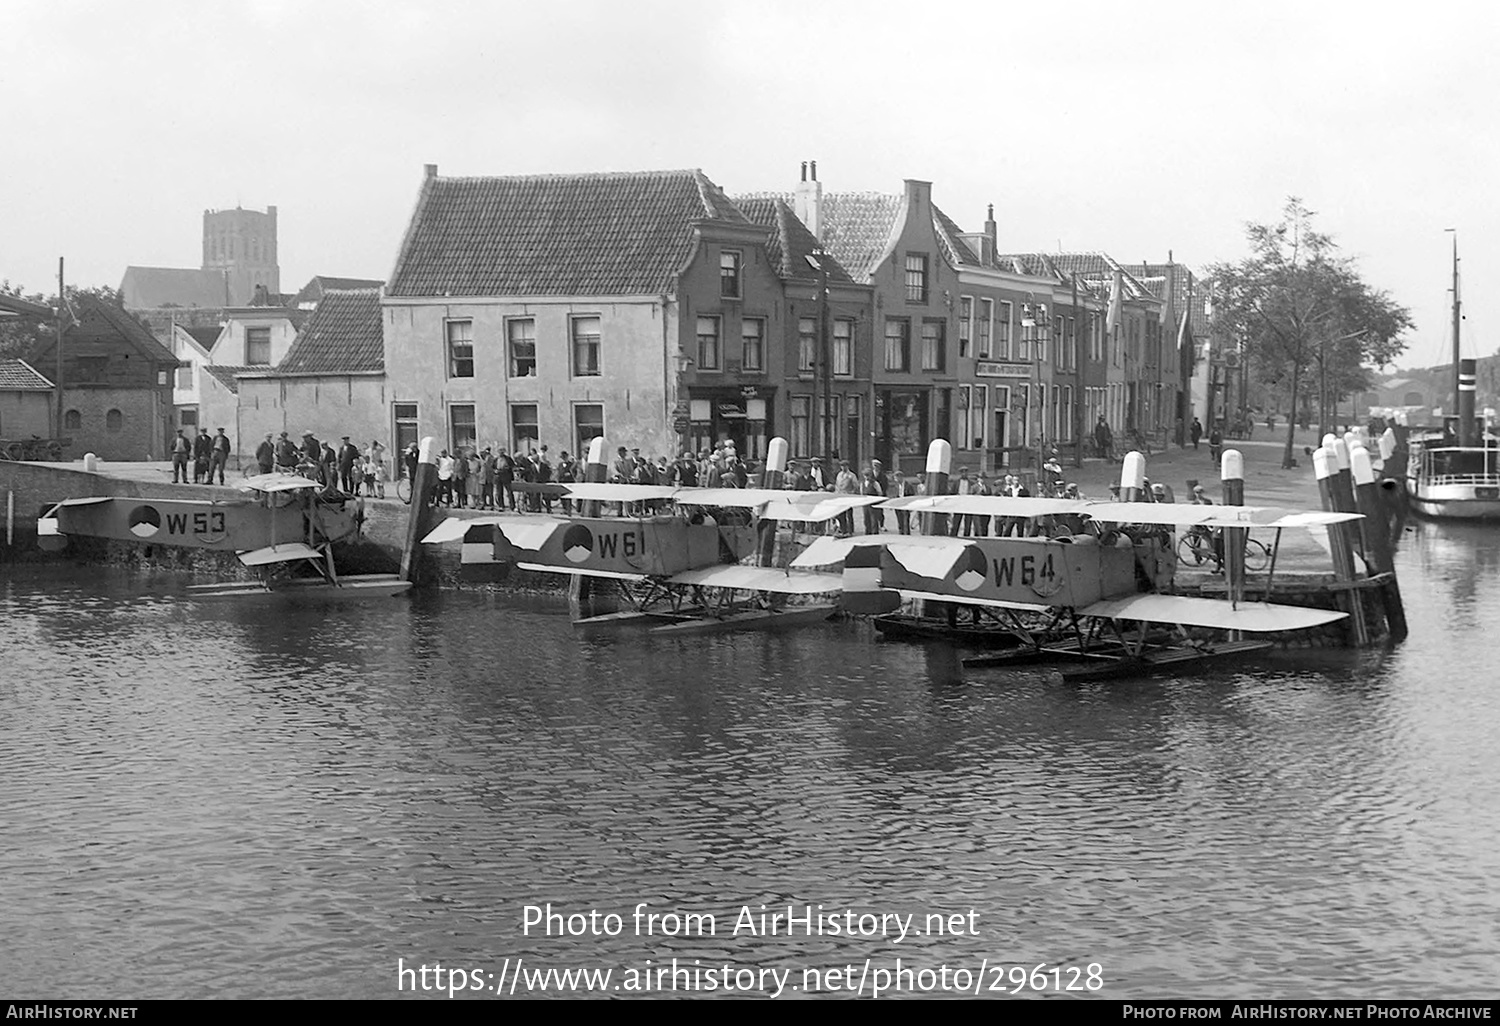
x=403 y=490
x=1197 y=547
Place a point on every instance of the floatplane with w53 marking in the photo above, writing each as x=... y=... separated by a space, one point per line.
x=284 y=528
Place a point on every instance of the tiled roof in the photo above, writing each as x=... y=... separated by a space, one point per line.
x=857 y=226
x=18 y=375
x=85 y=306
x=321 y=283
x=1094 y=270
x=585 y=234
x=791 y=243
x=1154 y=277
x=226 y=375
x=149 y=288
x=343 y=336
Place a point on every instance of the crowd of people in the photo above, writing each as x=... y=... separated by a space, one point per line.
x=205 y=454
x=347 y=469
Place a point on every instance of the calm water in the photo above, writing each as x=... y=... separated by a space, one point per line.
x=214 y=800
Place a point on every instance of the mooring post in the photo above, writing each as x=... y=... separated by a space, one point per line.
x=1232 y=478
x=1325 y=466
x=1343 y=491
x=939 y=463
x=595 y=471
x=421 y=496
x=1392 y=488
x=776 y=453
x=1377 y=544
x=1133 y=477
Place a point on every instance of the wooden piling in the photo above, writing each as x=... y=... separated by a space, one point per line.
x=421 y=498
x=1325 y=467
x=1232 y=478
x=1377 y=543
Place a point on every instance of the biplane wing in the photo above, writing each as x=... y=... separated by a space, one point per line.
x=986 y=505
x=1278 y=518
x=600 y=491
x=759 y=578
x=1252 y=617
x=549 y=568
x=969 y=600
x=746 y=498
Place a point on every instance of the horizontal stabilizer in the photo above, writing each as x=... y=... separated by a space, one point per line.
x=760 y=578
x=279 y=554
x=816 y=507
x=275 y=483
x=1189 y=610
x=987 y=505
x=522 y=532
x=830 y=551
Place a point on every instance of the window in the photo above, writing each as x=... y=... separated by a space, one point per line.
x=853 y=429
x=460 y=349
x=1007 y=311
x=524 y=433
x=916 y=277
x=843 y=347
x=807 y=345
x=753 y=344
x=185 y=377
x=934 y=345
x=522 y=332
x=986 y=323
x=729 y=274
x=588 y=424
x=965 y=321
x=977 y=413
x=708 y=343
x=1023 y=348
x=257 y=347
x=585 y=347
x=965 y=401
x=72 y=421
x=461 y=423
x=897 y=345
x=188 y=419
x=801 y=426
x=406 y=428
x=114 y=421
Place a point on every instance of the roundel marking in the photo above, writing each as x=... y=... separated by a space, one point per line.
x=578 y=543
x=144 y=521
x=970 y=571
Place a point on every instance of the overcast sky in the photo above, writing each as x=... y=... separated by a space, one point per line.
x=1136 y=129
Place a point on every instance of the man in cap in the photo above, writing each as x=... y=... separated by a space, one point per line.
x=312 y=453
x=348 y=457
x=218 y=457
x=182 y=451
x=265 y=455
x=286 y=454
x=203 y=448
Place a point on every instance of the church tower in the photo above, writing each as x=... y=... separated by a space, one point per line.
x=242 y=245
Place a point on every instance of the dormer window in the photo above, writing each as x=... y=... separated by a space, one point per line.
x=729 y=274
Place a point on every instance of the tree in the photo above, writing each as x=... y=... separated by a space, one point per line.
x=22 y=335
x=1297 y=305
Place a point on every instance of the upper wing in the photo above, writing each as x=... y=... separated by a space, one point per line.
x=1205 y=612
x=760 y=578
x=987 y=505
x=601 y=491
x=746 y=497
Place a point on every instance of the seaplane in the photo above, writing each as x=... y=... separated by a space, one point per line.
x=284 y=528
x=681 y=560
x=1075 y=581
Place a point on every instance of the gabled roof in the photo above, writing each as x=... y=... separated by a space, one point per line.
x=321 y=283
x=20 y=376
x=1156 y=276
x=343 y=336
x=205 y=337
x=150 y=288
x=615 y=233
x=226 y=375
x=857 y=226
x=86 y=308
x=1094 y=270
x=791 y=243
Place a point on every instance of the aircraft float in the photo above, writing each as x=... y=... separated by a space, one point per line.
x=284 y=528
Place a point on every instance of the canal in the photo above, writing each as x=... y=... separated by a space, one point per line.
x=249 y=800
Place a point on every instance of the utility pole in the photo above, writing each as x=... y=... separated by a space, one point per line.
x=1077 y=382
x=61 y=303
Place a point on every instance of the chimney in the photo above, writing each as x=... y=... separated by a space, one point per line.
x=1468 y=380
x=807 y=202
x=918 y=195
x=429 y=170
x=989 y=227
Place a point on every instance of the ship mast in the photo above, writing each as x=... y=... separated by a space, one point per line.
x=1457 y=304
